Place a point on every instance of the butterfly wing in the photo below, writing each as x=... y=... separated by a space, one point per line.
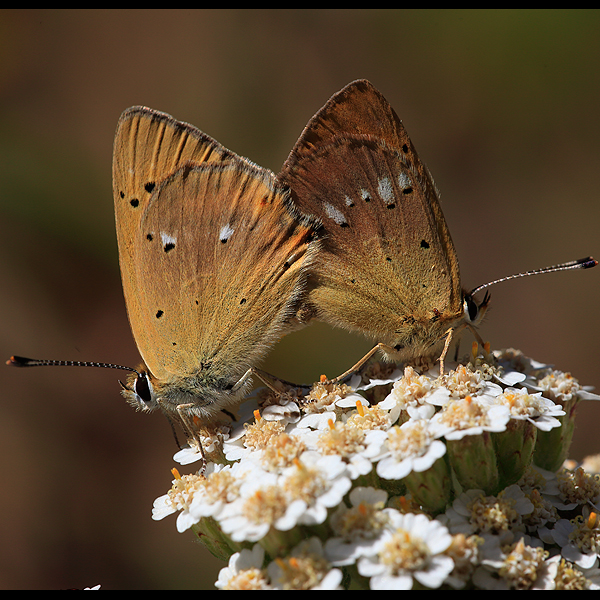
x=149 y=146
x=220 y=258
x=388 y=263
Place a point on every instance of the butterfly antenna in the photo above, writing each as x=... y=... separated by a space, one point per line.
x=20 y=361
x=582 y=263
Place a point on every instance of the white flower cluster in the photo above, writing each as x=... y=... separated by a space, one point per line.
x=401 y=481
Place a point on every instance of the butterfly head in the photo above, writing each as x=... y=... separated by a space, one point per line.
x=200 y=394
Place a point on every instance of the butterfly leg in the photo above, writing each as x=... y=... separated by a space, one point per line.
x=187 y=424
x=476 y=334
x=174 y=430
x=447 y=343
x=242 y=380
x=449 y=335
x=264 y=377
x=361 y=362
x=272 y=382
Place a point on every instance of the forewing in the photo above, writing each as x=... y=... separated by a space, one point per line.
x=387 y=257
x=221 y=260
x=149 y=147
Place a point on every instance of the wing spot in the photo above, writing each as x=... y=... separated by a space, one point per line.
x=134 y=202
x=159 y=314
x=149 y=187
x=333 y=213
x=225 y=233
x=168 y=241
x=405 y=183
x=385 y=190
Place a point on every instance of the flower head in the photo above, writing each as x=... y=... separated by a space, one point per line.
x=358 y=528
x=579 y=539
x=306 y=568
x=411 y=447
x=244 y=571
x=411 y=548
x=427 y=481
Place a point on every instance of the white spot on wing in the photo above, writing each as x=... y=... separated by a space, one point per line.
x=167 y=239
x=225 y=233
x=404 y=181
x=334 y=213
x=349 y=201
x=385 y=190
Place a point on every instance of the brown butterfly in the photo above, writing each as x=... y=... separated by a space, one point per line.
x=388 y=267
x=213 y=260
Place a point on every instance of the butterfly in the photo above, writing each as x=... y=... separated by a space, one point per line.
x=388 y=267
x=213 y=260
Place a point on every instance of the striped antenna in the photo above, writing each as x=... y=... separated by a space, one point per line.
x=20 y=361
x=582 y=263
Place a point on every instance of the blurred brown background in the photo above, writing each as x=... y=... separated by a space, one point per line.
x=501 y=105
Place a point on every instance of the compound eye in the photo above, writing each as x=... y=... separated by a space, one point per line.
x=142 y=388
x=472 y=308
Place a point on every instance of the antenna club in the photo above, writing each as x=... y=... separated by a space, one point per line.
x=17 y=361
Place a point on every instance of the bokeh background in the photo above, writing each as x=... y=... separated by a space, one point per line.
x=501 y=105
